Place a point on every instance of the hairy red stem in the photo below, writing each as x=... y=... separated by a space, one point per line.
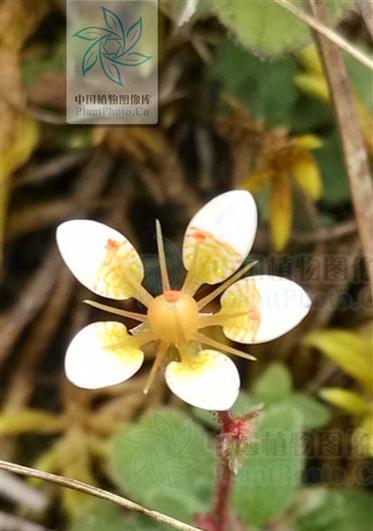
x=224 y=486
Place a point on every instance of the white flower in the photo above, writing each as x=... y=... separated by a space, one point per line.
x=216 y=243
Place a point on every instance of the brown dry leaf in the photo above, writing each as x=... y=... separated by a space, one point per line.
x=282 y=158
x=55 y=95
x=138 y=142
x=258 y=180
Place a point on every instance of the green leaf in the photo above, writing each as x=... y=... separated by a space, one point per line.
x=262 y=201
x=165 y=462
x=352 y=402
x=265 y=87
x=99 y=515
x=267 y=27
x=310 y=114
x=323 y=513
x=272 y=467
x=314 y=414
x=335 y=181
x=273 y=385
x=342 y=510
x=358 y=509
x=361 y=80
x=33 y=68
x=347 y=349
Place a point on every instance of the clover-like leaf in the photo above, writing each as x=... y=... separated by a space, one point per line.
x=273 y=385
x=271 y=471
x=134 y=59
x=314 y=414
x=170 y=468
x=267 y=28
x=134 y=34
x=90 y=58
x=113 y=22
x=110 y=69
x=92 y=33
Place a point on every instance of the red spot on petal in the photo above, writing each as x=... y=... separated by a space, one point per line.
x=112 y=245
x=254 y=315
x=199 y=235
x=171 y=295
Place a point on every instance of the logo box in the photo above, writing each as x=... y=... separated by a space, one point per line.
x=112 y=61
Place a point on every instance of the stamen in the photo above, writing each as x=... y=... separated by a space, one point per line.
x=142 y=338
x=133 y=341
x=139 y=292
x=219 y=318
x=162 y=258
x=225 y=348
x=124 y=313
x=162 y=349
x=142 y=295
x=183 y=351
x=211 y=296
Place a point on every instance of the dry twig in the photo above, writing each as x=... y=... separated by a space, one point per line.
x=34 y=295
x=42 y=331
x=35 y=173
x=355 y=155
x=340 y=230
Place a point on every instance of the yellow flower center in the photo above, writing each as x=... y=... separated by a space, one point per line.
x=173 y=316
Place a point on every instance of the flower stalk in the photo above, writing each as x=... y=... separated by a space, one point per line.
x=235 y=433
x=225 y=481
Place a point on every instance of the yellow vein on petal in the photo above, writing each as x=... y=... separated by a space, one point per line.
x=191 y=285
x=162 y=349
x=132 y=341
x=124 y=313
x=221 y=346
x=142 y=338
x=162 y=257
x=211 y=296
x=219 y=318
x=139 y=292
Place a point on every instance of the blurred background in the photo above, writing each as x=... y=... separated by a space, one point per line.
x=244 y=104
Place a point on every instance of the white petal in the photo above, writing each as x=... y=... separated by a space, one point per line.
x=275 y=306
x=101 y=355
x=224 y=231
x=212 y=382
x=100 y=257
